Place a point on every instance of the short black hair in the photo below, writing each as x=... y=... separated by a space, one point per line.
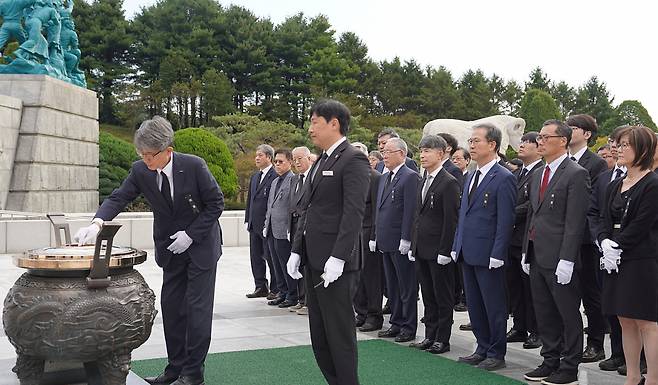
x=450 y=140
x=493 y=134
x=517 y=162
x=329 y=109
x=388 y=131
x=433 y=141
x=467 y=155
x=530 y=137
x=584 y=122
x=562 y=129
x=284 y=151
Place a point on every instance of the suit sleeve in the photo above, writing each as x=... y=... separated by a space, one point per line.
x=505 y=216
x=212 y=199
x=120 y=198
x=270 y=201
x=374 y=187
x=354 y=202
x=410 y=197
x=594 y=218
x=450 y=215
x=578 y=197
x=246 y=210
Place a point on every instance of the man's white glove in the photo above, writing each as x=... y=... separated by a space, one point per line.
x=333 y=269
x=443 y=260
x=264 y=232
x=288 y=236
x=404 y=246
x=372 y=245
x=524 y=265
x=411 y=256
x=181 y=242
x=453 y=255
x=610 y=247
x=246 y=226
x=611 y=255
x=293 y=266
x=87 y=234
x=564 y=271
x=609 y=265
x=495 y=263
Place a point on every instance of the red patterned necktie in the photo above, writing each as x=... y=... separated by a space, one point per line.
x=544 y=183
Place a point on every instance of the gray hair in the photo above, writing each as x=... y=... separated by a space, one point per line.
x=154 y=134
x=303 y=149
x=493 y=133
x=361 y=147
x=433 y=141
x=266 y=149
x=399 y=144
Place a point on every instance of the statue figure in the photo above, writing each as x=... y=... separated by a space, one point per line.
x=511 y=127
x=36 y=47
x=12 y=12
x=69 y=43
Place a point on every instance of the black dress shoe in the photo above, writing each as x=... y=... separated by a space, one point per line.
x=460 y=307
x=276 y=301
x=405 y=337
x=516 y=336
x=163 y=378
x=611 y=364
x=439 y=347
x=473 y=359
x=370 y=327
x=359 y=322
x=491 y=364
x=466 y=327
x=422 y=345
x=259 y=293
x=388 y=333
x=272 y=296
x=533 y=342
x=539 y=374
x=286 y=304
x=189 y=380
x=386 y=309
x=561 y=377
x=593 y=354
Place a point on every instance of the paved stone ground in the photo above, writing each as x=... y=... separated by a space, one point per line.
x=244 y=324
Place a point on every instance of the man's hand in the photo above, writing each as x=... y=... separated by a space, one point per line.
x=525 y=266
x=564 y=271
x=404 y=246
x=246 y=226
x=293 y=266
x=495 y=263
x=411 y=256
x=372 y=245
x=87 y=234
x=264 y=232
x=453 y=255
x=181 y=242
x=333 y=269
x=443 y=260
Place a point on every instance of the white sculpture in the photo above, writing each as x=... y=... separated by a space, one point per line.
x=511 y=127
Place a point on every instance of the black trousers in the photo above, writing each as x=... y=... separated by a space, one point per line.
x=590 y=286
x=259 y=254
x=460 y=294
x=519 y=294
x=559 y=321
x=402 y=291
x=331 y=323
x=369 y=295
x=187 y=300
x=301 y=283
x=437 y=284
x=280 y=252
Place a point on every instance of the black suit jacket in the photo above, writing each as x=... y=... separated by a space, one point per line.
x=370 y=215
x=435 y=219
x=408 y=162
x=638 y=236
x=295 y=204
x=596 y=206
x=455 y=172
x=192 y=180
x=595 y=165
x=522 y=203
x=332 y=210
x=257 y=197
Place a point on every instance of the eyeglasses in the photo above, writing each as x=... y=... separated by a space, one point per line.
x=389 y=152
x=528 y=142
x=624 y=145
x=278 y=161
x=148 y=156
x=477 y=140
x=542 y=138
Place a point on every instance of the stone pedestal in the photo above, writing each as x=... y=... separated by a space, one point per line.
x=10 y=120
x=56 y=162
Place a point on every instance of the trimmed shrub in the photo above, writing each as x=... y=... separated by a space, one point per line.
x=115 y=159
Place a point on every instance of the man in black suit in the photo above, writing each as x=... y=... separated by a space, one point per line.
x=254 y=221
x=382 y=138
x=186 y=203
x=584 y=129
x=518 y=282
x=447 y=164
x=559 y=197
x=328 y=239
x=435 y=221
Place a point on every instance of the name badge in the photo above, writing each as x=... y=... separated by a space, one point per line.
x=328 y=173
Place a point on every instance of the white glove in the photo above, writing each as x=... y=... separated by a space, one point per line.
x=453 y=255
x=609 y=265
x=264 y=232
x=525 y=266
x=495 y=263
x=564 y=271
x=181 y=243
x=288 y=236
x=404 y=246
x=372 y=245
x=333 y=269
x=246 y=226
x=608 y=246
x=293 y=266
x=86 y=234
x=411 y=256
x=443 y=260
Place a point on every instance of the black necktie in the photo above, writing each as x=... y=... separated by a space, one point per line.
x=279 y=182
x=300 y=183
x=165 y=190
x=476 y=180
x=574 y=159
x=318 y=169
x=260 y=177
x=524 y=171
x=619 y=173
x=388 y=180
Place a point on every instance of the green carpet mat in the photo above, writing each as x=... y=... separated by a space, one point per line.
x=380 y=363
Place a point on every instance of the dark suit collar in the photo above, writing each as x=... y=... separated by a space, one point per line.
x=396 y=178
x=328 y=164
x=557 y=174
x=438 y=179
x=539 y=165
x=484 y=181
x=179 y=179
x=271 y=174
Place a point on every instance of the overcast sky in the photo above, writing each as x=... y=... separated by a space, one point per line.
x=571 y=40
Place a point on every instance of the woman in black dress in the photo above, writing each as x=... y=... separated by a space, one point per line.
x=629 y=241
